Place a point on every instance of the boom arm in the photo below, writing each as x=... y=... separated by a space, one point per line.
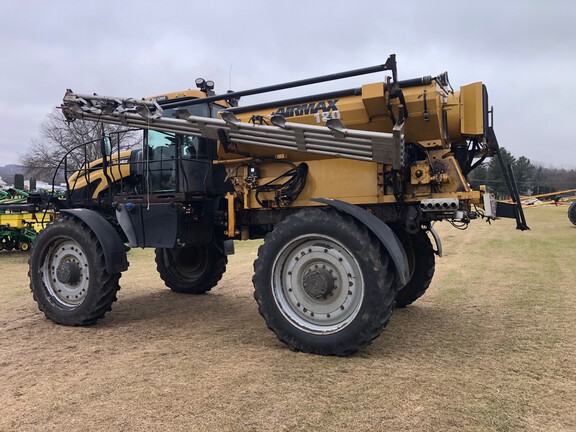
x=333 y=139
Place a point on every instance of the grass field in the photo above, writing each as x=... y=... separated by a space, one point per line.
x=490 y=347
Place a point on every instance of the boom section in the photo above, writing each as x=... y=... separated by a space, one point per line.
x=333 y=140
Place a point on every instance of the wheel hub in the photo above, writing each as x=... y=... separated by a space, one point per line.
x=318 y=283
x=68 y=272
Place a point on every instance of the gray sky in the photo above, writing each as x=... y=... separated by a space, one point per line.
x=524 y=51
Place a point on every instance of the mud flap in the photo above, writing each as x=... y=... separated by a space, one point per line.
x=380 y=230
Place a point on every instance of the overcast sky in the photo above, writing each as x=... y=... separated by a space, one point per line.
x=524 y=51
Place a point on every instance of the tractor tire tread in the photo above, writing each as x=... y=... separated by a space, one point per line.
x=423 y=273
x=209 y=281
x=572 y=213
x=373 y=320
x=108 y=283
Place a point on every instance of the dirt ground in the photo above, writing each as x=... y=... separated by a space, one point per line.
x=490 y=347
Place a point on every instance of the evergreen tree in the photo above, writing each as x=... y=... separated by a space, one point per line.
x=495 y=177
x=491 y=175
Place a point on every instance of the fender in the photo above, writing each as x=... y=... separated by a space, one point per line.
x=380 y=230
x=112 y=245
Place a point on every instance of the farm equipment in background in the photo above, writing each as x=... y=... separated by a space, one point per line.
x=563 y=197
x=13 y=196
x=344 y=187
x=20 y=220
x=16 y=238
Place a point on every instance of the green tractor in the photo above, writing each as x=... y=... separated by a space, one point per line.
x=17 y=238
x=19 y=224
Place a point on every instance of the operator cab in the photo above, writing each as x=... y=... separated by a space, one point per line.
x=181 y=186
x=176 y=163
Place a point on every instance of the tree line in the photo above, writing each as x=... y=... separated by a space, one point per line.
x=531 y=179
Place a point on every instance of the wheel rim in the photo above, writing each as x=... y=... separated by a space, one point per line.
x=317 y=284
x=65 y=273
x=189 y=264
x=25 y=246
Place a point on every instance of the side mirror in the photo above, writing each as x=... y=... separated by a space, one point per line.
x=106 y=146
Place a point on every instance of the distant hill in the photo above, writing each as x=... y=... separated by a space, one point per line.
x=7 y=172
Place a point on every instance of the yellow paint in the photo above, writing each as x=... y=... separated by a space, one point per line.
x=15 y=220
x=118 y=168
x=471 y=109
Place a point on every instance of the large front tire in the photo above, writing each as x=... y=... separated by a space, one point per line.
x=191 y=270
x=421 y=259
x=323 y=283
x=68 y=276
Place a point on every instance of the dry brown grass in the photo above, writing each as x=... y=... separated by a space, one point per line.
x=490 y=347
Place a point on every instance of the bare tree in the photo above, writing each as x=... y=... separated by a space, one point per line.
x=79 y=140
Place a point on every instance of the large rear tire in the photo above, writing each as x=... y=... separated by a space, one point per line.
x=572 y=213
x=324 y=284
x=191 y=270
x=421 y=259
x=68 y=276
